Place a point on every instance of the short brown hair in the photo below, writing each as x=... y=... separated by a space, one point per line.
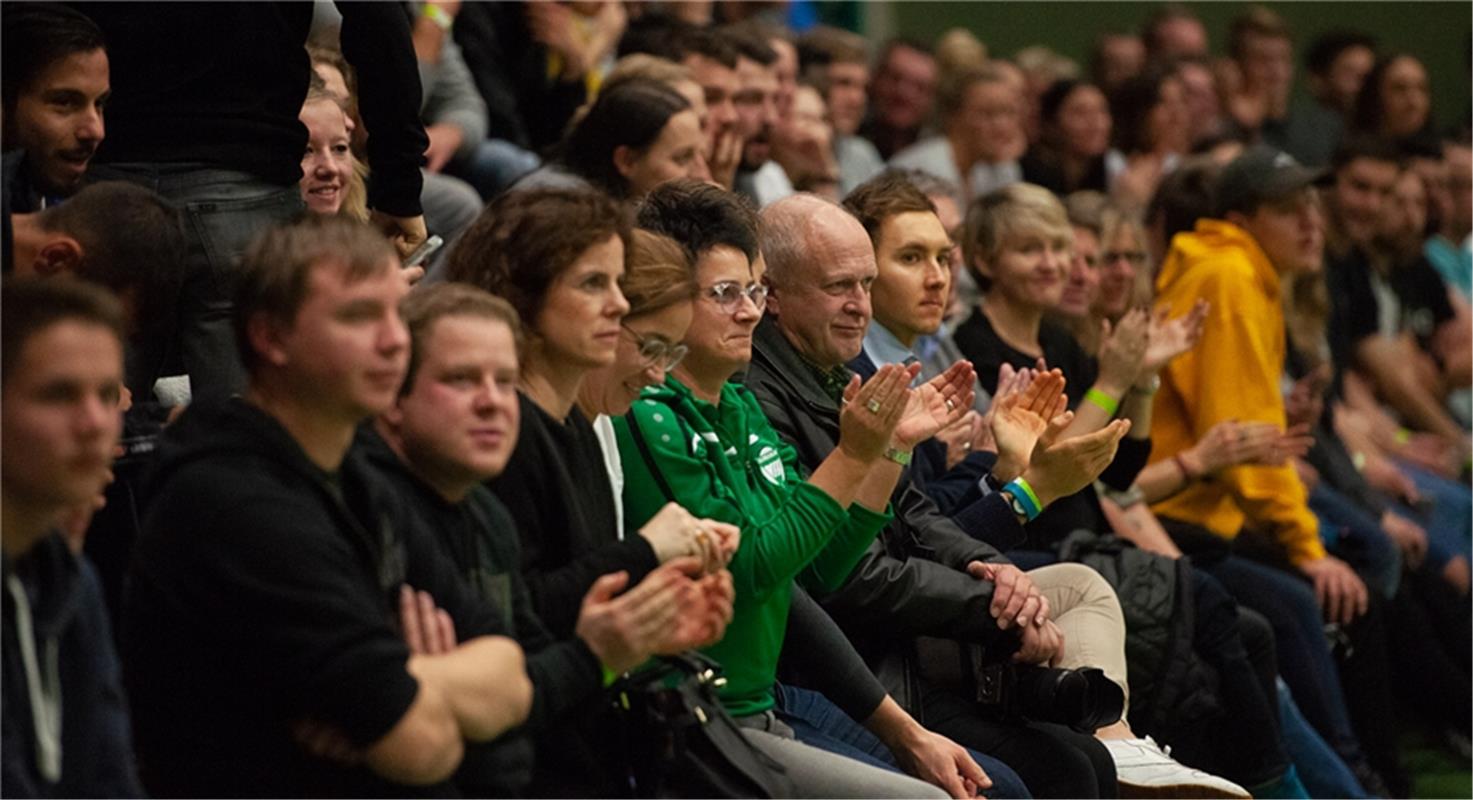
x=823 y=45
x=882 y=197
x=1001 y=214
x=30 y=305
x=953 y=88
x=657 y=274
x=523 y=240
x=1256 y=21
x=276 y=267
x=425 y=306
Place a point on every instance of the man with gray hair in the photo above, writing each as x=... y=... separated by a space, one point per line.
x=924 y=576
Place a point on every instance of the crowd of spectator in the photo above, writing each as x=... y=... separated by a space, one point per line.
x=390 y=388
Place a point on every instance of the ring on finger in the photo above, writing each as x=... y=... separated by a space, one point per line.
x=873 y=406
x=950 y=406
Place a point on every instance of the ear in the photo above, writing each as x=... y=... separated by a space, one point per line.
x=625 y=158
x=62 y=254
x=772 y=299
x=979 y=263
x=1237 y=218
x=267 y=337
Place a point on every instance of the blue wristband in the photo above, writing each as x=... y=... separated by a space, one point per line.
x=1026 y=497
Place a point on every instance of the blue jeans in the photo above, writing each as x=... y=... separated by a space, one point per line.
x=819 y=723
x=495 y=165
x=1322 y=771
x=1450 y=519
x=223 y=211
x=1355 y=535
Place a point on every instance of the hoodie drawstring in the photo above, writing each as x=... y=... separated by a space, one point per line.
x=45 y=692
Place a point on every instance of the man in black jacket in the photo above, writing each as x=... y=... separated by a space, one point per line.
x=921 y=576
x=452 y=428
x=268 y=646
x=204 y=111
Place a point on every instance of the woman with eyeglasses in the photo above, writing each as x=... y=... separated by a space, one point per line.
x=558 y=257
x=660 y=288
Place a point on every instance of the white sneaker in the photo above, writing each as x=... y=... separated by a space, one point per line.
x=1143 y=769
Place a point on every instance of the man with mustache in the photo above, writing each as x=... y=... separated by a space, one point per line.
x=56 y=83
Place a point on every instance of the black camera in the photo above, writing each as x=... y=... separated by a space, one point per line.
x=1083 y=699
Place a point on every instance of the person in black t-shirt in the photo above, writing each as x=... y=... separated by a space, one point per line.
x=272 y=640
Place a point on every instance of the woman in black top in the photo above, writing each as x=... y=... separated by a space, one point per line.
x=557 y=256
x=1070 y=154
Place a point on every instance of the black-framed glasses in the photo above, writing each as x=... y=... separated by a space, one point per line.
x=728 y=295
x=654 y=351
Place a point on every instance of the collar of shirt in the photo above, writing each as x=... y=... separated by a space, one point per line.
x=883 y=347
x=832 y=379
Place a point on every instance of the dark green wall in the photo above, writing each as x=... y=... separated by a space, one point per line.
x=1437 y=32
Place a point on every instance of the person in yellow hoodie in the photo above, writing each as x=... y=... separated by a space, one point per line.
x=1268 y=226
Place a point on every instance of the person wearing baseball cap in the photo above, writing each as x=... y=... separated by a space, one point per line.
x=1267 y=227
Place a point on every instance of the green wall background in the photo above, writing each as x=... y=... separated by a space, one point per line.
x=1436 y=32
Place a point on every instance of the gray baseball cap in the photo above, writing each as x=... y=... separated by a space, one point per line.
x=1261 y=174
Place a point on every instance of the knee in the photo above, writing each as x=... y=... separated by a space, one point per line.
x=1073 y=586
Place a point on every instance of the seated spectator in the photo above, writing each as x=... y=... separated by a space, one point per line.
x=454 y=427
x=1117 y=56
x=1336 y=65
x=902 y=92
x=759 y=178
x=1260 y=74
x=1150 y=134
x=835 y=62
x=634 y=137
x=1074 y=135
x=1395 y=102
x=1450 y=249
x=55 y=86
x=817 y=528
x=802 y=144
x=66 y=721
x=333 y=180
x=1204 y=102
x=1041 y=68
x=1173 y=32
x=267 y=650
x=981 y=138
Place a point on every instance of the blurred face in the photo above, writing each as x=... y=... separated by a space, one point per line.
x=905 y=88
x=1405 y=219
x=346 y=350
x=61 y=418
x=990 y=120
x=1123 y=258
x=786 y=72
x=458 y=422
x=676 y=153
x=1170 y=120
x=756 y=106
x=578 y=324
x=645 y=352
x=1028 y=272
x=1347 y=73
x=1268 y=66
x=696 y=96
x=1083 y=285
x=1121 y=57
x=719 y=85
x=803 y=140
x=846 y=96
x=913 y=254
x=824 y=305
x=1290 y=231
x=720 y=334
x=58 y=120
x=1181 y=36
x=1362 y=189
x=327 y=166
x=1459 y=218
x=1404 y=98
x=1084 y=122
x=1199 y=88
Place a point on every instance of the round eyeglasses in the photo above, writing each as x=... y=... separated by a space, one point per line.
x=728 y=295
x=654 y=351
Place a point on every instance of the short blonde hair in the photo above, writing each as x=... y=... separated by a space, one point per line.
x=1005 y=214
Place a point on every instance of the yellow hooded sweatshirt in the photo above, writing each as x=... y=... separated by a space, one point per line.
x=1232 y=373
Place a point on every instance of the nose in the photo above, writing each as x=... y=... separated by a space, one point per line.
x=91 y=128
x=393 y=335
x=619 y=305
x=937 y=274
x=93 y=416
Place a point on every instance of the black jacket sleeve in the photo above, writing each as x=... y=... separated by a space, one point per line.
x=1129 y=460
x=822 y=658
x=376 y=41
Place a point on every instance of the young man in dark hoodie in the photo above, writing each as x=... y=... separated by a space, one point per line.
x=65 y=726
x=454 y=427
x=273 y=642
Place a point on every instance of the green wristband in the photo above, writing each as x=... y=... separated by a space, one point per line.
x=1103 y=401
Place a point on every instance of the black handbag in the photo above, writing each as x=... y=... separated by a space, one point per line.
x=680 y=742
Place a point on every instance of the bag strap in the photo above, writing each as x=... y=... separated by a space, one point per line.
x=649 y=458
